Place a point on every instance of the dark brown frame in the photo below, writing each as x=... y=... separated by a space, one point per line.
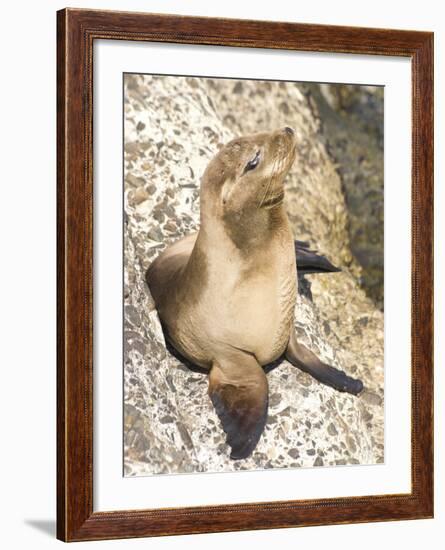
x=76 y=32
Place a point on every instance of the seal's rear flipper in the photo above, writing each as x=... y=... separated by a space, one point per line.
x=308 y=261
x=308 y=362
x=239 y=392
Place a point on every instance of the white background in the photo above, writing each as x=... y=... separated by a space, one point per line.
x=28 y=270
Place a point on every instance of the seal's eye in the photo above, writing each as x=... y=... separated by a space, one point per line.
x=252 y=164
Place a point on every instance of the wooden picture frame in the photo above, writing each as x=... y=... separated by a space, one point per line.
x=76 y=32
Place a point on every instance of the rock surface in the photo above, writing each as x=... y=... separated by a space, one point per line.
x=352 y=130
x=173 y=127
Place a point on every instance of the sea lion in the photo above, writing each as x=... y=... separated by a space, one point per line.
x=226 y=295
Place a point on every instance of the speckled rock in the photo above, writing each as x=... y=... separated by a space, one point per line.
x=173 y=127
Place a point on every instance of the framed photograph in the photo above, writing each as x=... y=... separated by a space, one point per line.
x=245 y=228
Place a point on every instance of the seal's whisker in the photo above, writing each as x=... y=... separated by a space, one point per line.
x=269 y=185
x=276 y=170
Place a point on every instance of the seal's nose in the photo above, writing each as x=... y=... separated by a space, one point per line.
x=289 y=130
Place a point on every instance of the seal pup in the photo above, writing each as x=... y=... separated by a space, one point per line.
x=226 y=295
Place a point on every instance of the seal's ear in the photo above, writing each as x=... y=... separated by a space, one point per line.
x=227 y=188
x=239 y=392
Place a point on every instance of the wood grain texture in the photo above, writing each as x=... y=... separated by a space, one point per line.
x=76 y=32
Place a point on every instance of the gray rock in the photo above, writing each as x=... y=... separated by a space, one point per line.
x=352 y=129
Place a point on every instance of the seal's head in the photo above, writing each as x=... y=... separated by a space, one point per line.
x=243 y=184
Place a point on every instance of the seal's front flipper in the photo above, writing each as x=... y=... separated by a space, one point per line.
x=308 y=261
x=308 y=362
x=239 y=392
